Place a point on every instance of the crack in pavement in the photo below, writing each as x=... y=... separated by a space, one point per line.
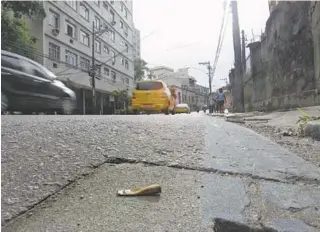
x=289 y=179
x=119 y=160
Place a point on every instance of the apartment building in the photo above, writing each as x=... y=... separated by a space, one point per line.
x=65 y=38
x=189 y=91
x=136 y=43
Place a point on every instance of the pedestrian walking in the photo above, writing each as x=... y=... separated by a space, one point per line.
x=220 y=100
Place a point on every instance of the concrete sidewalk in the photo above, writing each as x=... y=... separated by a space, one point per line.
x=282 y=120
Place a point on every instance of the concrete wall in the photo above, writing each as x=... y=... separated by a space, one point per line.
x=284 y=64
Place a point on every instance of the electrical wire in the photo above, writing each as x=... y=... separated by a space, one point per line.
x=223 y=27
x=37 y=54
x=32 y=51
x=119 y=53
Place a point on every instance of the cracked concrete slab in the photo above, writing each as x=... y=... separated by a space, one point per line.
x=189 y=202
x=291 y=225
x=220 y=198
x=92 y=205
x=288 y=196
x=232 y=148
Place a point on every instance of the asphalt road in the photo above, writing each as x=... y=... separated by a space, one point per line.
x=61 y=173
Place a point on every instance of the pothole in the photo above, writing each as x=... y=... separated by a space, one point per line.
x=222 y=225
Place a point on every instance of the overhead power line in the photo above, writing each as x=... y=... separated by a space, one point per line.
x=35 y=55
x=119 y=53
x=223 y=27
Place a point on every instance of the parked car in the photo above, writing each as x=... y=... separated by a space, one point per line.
x=28 y=87
x=153 y=96
x=182 y=108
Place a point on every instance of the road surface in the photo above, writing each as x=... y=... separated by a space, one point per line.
x=61 y=173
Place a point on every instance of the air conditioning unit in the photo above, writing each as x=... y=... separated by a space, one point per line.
x=113 y=23
x=55 y=31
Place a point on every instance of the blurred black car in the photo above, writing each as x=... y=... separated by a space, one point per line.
x=27 y=87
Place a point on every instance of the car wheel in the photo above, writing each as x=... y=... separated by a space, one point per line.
x=67 y=107
x=4 y=102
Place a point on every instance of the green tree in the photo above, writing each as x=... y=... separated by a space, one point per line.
x=14 y=30
x=140 y=66
x=122 y=98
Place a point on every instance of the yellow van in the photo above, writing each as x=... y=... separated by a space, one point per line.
x=153 y=96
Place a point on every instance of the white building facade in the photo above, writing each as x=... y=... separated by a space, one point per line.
x=65 y=39
x=136 y=43
x=187 y=90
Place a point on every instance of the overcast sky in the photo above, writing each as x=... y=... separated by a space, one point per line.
x=186 y=32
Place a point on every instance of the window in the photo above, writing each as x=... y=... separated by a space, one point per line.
x=113 y=58
x=70 y=30
x=84 y=64
x=105 y=5
x=54 y=19
x=121 y=24
x=112 y=36
x=127 y=81
x=106 y=71
x=113 y=76
x=71 y=58
x=84 y=12
x=123 y=44
x=98 y=69
x=127 y=47
x=150 y=85
x=125 y=13
x=126 y=31
x=97 y=2
x=111 y=17
x=72 y=4
x=106 y=49
x=97 y=46
x=126 y=64
x=122 y=7
x=97 y=23
x=54 y=52
x=84 y=38
x=122 y=61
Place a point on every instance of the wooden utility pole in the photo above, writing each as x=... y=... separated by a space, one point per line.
x=239 y=98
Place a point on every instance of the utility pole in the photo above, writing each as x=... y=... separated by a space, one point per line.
x=208 y=64
x=92 y=71
x=243 y=52
x=239 y=98
x=93 y=80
